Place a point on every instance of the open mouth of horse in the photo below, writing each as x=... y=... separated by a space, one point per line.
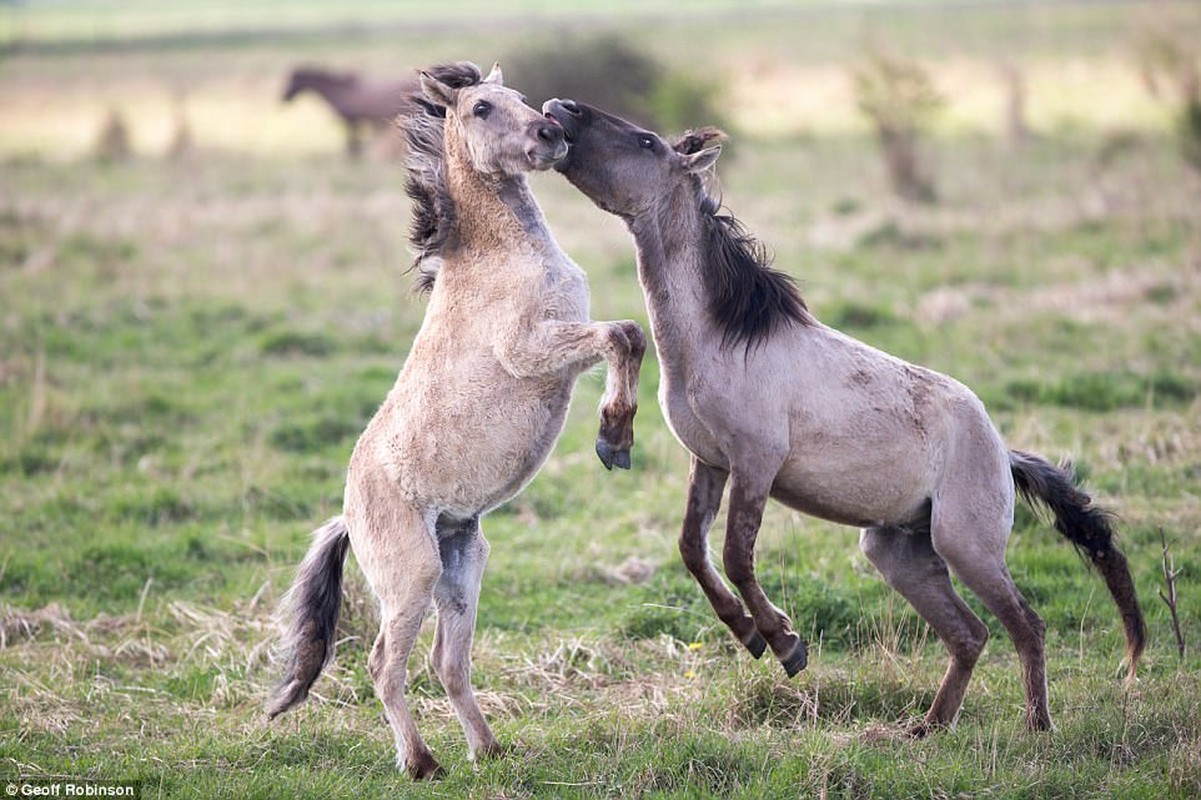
x=565 y=114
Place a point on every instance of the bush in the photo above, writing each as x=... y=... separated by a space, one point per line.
x=899 y=97
x=608 y=72
x=1169 y=63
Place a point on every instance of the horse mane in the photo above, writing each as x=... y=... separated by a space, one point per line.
x=748 y=298
x=434 y=213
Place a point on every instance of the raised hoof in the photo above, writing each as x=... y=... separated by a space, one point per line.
x=612 y=457
x=756 y=644
x=425 y=768
x=795 y=661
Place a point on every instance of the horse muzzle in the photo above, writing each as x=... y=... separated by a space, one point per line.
x=549 y=145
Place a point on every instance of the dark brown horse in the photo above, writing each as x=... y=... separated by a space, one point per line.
x=358 y=101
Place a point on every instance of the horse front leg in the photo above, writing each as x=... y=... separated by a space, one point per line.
x=619 y=403
x=747 y=501
x=554 y=346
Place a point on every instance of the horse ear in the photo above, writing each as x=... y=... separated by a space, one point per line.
x=438 y=92
x=495 y=76
x=697 y=139
x=699 y=162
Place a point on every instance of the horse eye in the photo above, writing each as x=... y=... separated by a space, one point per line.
x=481 y=109
x=646 y=142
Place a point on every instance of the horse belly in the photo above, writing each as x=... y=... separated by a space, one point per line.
x=858 y=486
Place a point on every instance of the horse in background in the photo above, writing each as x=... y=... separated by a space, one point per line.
x=360 y=102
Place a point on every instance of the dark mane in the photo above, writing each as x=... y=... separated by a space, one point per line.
x=433 y=210
x=748 y=298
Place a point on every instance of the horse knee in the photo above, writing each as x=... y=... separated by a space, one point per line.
x=967 y=649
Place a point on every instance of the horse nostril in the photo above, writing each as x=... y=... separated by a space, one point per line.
x=571 y=107
x=550 y=133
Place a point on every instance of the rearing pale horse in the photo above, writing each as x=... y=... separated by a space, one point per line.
x=767 y=398
x=476 y=408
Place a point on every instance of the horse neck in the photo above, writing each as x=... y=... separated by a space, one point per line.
x=670 y=259
x=491 y=213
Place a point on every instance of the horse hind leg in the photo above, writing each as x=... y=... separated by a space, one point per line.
x=464 y=552
x=909 y=564
x=401 y=563
x=979 y=562
x=705 y=486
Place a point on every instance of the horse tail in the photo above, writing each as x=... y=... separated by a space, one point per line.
x=1090 y=530
x=310 y=611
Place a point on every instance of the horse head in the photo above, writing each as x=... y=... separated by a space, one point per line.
x=623 y=168
x=500 y=132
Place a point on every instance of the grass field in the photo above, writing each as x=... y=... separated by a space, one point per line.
x=189 y=348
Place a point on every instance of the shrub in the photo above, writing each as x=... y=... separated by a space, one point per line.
x=608 y=72
x=899 y=97
x=1169 y=63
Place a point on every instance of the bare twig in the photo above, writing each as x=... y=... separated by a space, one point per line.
x=1170 y=573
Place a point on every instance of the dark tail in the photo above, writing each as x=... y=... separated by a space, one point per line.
x=310 y=609
x=1090 y=530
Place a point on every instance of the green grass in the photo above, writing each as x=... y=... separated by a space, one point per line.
x=189 y=350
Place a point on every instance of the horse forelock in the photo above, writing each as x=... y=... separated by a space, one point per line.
x=459 y=75
x=746 y=296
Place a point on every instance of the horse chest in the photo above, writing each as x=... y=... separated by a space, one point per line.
x=687 y=426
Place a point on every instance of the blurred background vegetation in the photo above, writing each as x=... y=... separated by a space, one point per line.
x=767 y=68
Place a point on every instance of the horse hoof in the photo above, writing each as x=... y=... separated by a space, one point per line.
x=756 y=644
x=612 y=457
x=491 y=752
x=797 y=659
x=924 y=729
x=425 y=768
